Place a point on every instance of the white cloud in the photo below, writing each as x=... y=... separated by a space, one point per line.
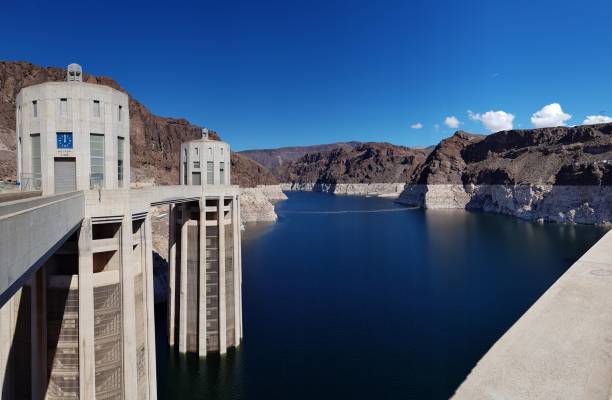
x=494 y=121
x=452 y=122
x=596 y=119
x=549 y=116
x=418 y=125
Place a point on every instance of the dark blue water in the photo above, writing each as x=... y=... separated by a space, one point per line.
x=398 y=304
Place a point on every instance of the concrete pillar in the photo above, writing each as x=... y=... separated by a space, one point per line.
x=128 y=310
x=171 y=271
x=202 y=274
x=87 y=358
x=240 y=270
x=150 y=309
x=6 y=339
x=183 y=288
x=237 y=267
x=38 y=331
x=222 y=310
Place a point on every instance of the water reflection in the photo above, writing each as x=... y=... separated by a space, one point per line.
x=191 y=377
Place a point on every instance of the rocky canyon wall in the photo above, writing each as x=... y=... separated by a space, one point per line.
x=589 y=204
x=392 y=190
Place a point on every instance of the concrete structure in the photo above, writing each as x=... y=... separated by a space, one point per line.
x=76 y=268
x=72 y=136
x=205 y=307
x=205 y=162
x=561 y=348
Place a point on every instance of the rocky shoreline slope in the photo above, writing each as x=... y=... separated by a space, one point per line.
x=561 y=174
x=368 y=169
x=393 y=190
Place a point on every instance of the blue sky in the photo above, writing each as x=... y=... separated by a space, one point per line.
x=279 y=73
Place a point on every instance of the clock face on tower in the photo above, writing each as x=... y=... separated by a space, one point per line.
x=64 y=140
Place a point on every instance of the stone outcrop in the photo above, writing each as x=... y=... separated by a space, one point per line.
x=356 y=189
x=554 y=203
x=561 y=174
x=257 y=203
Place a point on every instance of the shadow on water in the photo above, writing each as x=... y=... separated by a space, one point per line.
x=188 y=377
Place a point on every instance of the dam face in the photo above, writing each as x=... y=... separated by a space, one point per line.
x=77 y=314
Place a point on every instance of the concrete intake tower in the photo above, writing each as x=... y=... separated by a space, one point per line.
x=76 y=251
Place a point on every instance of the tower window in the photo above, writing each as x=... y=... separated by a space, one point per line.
x=96 y=147
x=119 y=113
x=35 y=108
x=196 y=160
x=96 y=108
x=120 y=161
x=210 y=173
x=35 y=160
x=63 y=106
x=222 y=172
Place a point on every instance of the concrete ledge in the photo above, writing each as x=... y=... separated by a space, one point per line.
x=561 y=348
x=32 y=230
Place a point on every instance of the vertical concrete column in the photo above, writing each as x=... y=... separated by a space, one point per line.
x=38 y=331
x=237 y=267
x=222 y=294
x=171 y=271
x=87 y=357
x=6 y=339
x=202 y=289
x=240 y=264
x=128 y=310
x=183 y=288
x=150 y=309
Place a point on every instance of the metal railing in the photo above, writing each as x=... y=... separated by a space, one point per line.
x=29 y=181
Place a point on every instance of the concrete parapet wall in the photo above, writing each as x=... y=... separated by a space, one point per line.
x=561 y=348
x=31 y=230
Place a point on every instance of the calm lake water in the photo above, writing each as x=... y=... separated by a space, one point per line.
x=397 y=304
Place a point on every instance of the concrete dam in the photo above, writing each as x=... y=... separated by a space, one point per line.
x=76 y=269
x=76 y=256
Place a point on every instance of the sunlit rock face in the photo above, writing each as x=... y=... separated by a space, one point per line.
x=561 y=174
x=357 y=189
x=555 y=203
x=257 y=203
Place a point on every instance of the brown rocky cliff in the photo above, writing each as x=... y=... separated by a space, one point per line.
x=248 y=173
x=155 y=141
x=577 y=155
x=366 y=163
x=445 y=164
